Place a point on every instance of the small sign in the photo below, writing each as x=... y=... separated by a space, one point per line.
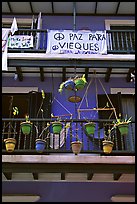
x=20 y=41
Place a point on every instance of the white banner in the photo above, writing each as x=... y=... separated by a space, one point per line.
x=5 y=34
x=20 y=41
x=76 y=42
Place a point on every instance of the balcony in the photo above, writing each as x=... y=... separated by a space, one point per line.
x=118 y=41
x=59 y=162
x=61 y=143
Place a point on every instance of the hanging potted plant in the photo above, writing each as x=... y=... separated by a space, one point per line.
x=76 y=145
x=108 y=142
x=89 y=128
x=80 y=82
x=123 y=125
x=26 y=126
x=40 y=142
x=57 y=126
x=68 y=84
x=10 y=142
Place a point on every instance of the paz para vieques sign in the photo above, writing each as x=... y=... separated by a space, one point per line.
x=76 y=42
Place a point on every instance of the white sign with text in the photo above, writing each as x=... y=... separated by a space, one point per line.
x=76 y=42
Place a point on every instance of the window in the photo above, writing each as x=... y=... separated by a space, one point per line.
x=27 y=103
x=124 y=105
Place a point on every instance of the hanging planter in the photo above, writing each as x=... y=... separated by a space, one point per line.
x=107 y=146
x=80 y=82
x=76 y=147
x=26 y=127
x=69 y=84
x=123 y=125
x=123 y=128
x=89 y=128
x=10 y=144
x=57 y=127
x=40 y=145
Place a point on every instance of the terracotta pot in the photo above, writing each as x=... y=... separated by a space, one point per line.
x=26 y=127
x=107 y=146
x=57 y=127
x=76 y=147
x=90 y=128
x=123 y=128
x=40 y=145
x=10 y=144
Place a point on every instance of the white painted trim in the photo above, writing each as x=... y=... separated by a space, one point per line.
x=44 y=56
x=108 y=23
x=122 y=90
x=18 y=89
x=69 y=159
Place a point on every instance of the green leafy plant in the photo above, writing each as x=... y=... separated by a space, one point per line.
x=121 y=121
x=61 y=87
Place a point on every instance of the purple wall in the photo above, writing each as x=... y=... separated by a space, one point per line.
x=70 y=191
x=47 y=86
x=67 y=22
x=91 y=22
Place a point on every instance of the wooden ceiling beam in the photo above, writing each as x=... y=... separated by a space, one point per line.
x=63 y=74
x=108 y=73
x=35 y=176
x=8 y=175
x=86 y=73
x=128 y=78
x=19 y=73
x=41 y=74
x=116 y=176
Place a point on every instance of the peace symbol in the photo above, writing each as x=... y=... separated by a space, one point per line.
x=55 y=47
x=59 y=36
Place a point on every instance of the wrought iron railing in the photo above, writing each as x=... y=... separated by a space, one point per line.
x=61 y=143
x=118 y=41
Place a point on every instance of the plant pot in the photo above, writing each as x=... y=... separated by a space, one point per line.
x=79 y=84
x=57 y=127
x=26 y=127
x=69 y=85
x=123 y=128
x=76 y=147
x=40 y=145
x=10 y=144
x=90 y=128
x=107 y=146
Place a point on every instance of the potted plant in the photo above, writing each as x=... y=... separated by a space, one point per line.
x=80 y=82
x=123 y=125
x=57 y=126
x=76 y=146
x=26 y=126
x=108 y=142
x=40 y=142
x=10 y=142
x=68 y=84
x=89 y=128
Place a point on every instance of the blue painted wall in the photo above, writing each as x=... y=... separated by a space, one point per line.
x=48 y=84
x=70 y=191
